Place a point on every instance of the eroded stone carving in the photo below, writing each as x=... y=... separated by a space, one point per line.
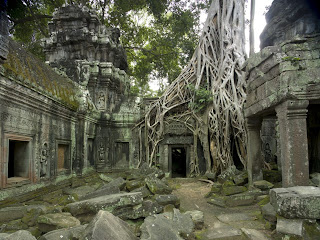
x=44 y=160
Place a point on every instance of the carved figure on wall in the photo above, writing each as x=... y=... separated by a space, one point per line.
x=101 y=154
x=101 y=104
x=44 y=160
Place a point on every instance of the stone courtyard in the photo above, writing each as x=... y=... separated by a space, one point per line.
x=74 y=164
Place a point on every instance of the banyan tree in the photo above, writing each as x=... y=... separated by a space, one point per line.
x=208 y=95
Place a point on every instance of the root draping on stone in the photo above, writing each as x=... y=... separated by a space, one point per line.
x=215 y=67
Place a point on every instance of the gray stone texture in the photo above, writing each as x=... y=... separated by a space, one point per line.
x=53 y=221
x=156 y=186
x=169 y=226
x=106 y=226
x=112 y=203
x=64 y=233
x=296 y=202
x=288 y=18
x=19 y=235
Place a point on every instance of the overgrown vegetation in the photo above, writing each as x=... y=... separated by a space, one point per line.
x=211 y=92
x=159 y=35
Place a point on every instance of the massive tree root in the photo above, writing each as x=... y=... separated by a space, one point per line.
x=214 y=67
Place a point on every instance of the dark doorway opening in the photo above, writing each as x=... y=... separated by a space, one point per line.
x=179 y=162
x=236 y=159
x=18 y=159
x=313 y=124
x=90 y=152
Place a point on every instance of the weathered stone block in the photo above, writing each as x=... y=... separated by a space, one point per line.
x=197 y=218
x=269 y=213
x=168 y=199
x=167 y=226
x=296 y=202
x=242 y=199
x=64 y=233
x=156 y=186
x=263 y=185
x=110 y=203
x=106 y=226
x=50 y=222
x=19 y=235
x=133 y=184
x=231 y=190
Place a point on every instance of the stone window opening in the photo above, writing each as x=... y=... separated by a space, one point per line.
x=16 y=161
x=178 y=162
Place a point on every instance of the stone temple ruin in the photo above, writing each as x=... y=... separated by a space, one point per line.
x=74 y=116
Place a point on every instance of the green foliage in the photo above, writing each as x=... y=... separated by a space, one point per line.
x=159 y=36
x=201 y=98
x=291 y=59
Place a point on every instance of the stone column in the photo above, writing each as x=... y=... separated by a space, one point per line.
x=254 y=158
x=292 y=115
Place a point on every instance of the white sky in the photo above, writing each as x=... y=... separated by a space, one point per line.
x=259 y=24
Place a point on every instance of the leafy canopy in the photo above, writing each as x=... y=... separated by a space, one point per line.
x=159 y=35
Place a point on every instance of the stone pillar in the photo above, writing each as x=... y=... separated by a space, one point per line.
x=254 y=164
x=292 y=115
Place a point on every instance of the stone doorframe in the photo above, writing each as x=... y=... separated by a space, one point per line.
x=292 y=116
x=4 y=157
x=168 y=149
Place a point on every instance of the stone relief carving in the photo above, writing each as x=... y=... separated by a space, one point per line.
x=44 y=160
x=101 y=103
x=101 y=154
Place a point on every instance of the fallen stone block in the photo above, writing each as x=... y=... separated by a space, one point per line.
x=112 y=203
x=133 y=184
x=53 y=221
x=12 y=213
x=254 y=234
x=106 y=226
x=168 y=199
x=156 y=186
x=143 y=210
x=296 y=202
x=169 y=226
x=269 y=213
x=144 y=190
x=241 y=179
x=80 y=192
x=290 y=226
x=103 y=191
x=197 y=218
x=231 y=190
x=19 y=235
x=242 y=199
x=64 y=233
x=263 y=185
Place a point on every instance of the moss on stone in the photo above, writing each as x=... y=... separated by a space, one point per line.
x=25 y=69
x=264 y=201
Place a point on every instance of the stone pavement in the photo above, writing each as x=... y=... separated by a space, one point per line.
x=243 y=222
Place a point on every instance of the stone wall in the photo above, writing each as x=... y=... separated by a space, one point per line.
x=288 y=18
x=283 y=83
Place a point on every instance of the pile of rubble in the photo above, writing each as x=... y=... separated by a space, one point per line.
x=231 y=189
x=137 y=205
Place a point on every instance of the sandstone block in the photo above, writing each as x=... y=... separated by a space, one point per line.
x=296 y=202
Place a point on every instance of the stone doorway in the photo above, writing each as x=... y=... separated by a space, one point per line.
x=178 y=161
x=313 y=125
x=18 y=161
